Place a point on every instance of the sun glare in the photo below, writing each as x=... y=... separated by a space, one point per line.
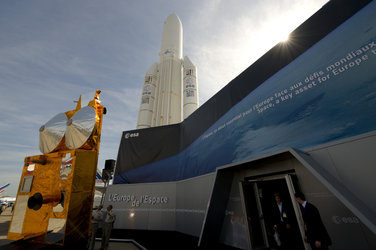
x=272 y=36
x=284 y=38
x=281 y=34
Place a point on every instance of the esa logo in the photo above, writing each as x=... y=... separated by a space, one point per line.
x=345 y=220
x=131 y=135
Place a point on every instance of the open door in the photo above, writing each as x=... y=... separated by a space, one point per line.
x=255 y=217
x=260 y=207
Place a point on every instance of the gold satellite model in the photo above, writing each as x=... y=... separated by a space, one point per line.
x=56 y=190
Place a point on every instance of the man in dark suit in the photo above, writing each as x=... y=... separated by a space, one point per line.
x=282 y=218
x=316 y=234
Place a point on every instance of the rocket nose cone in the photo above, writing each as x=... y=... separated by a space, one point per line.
x=172 y=35
x=173 y=18
x=188 y=63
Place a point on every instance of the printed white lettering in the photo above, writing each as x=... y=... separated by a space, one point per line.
x=144 y=199
x=345 y=220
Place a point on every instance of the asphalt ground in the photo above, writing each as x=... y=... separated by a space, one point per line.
x=141 y=240
x=5 y=218
x=4 y=225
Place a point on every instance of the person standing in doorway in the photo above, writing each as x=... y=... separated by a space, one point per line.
x=316 y=234
x=107 y=228
x=281 y=218
x=96 y=219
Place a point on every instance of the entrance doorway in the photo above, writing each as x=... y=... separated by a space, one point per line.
x=263 y=214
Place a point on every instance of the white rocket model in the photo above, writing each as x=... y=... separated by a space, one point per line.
x=170 y=91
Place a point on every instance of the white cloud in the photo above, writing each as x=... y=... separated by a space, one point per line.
x=129 y=97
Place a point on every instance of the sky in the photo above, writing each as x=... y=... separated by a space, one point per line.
x=51 y=52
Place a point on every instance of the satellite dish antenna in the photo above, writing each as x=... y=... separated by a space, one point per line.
x=51 y=134
x=80 y=127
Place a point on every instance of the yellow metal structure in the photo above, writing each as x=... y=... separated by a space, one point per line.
x=56 y=190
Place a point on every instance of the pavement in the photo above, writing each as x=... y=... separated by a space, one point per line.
x=115 y=244
x=146 y=239
x=4 y=225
